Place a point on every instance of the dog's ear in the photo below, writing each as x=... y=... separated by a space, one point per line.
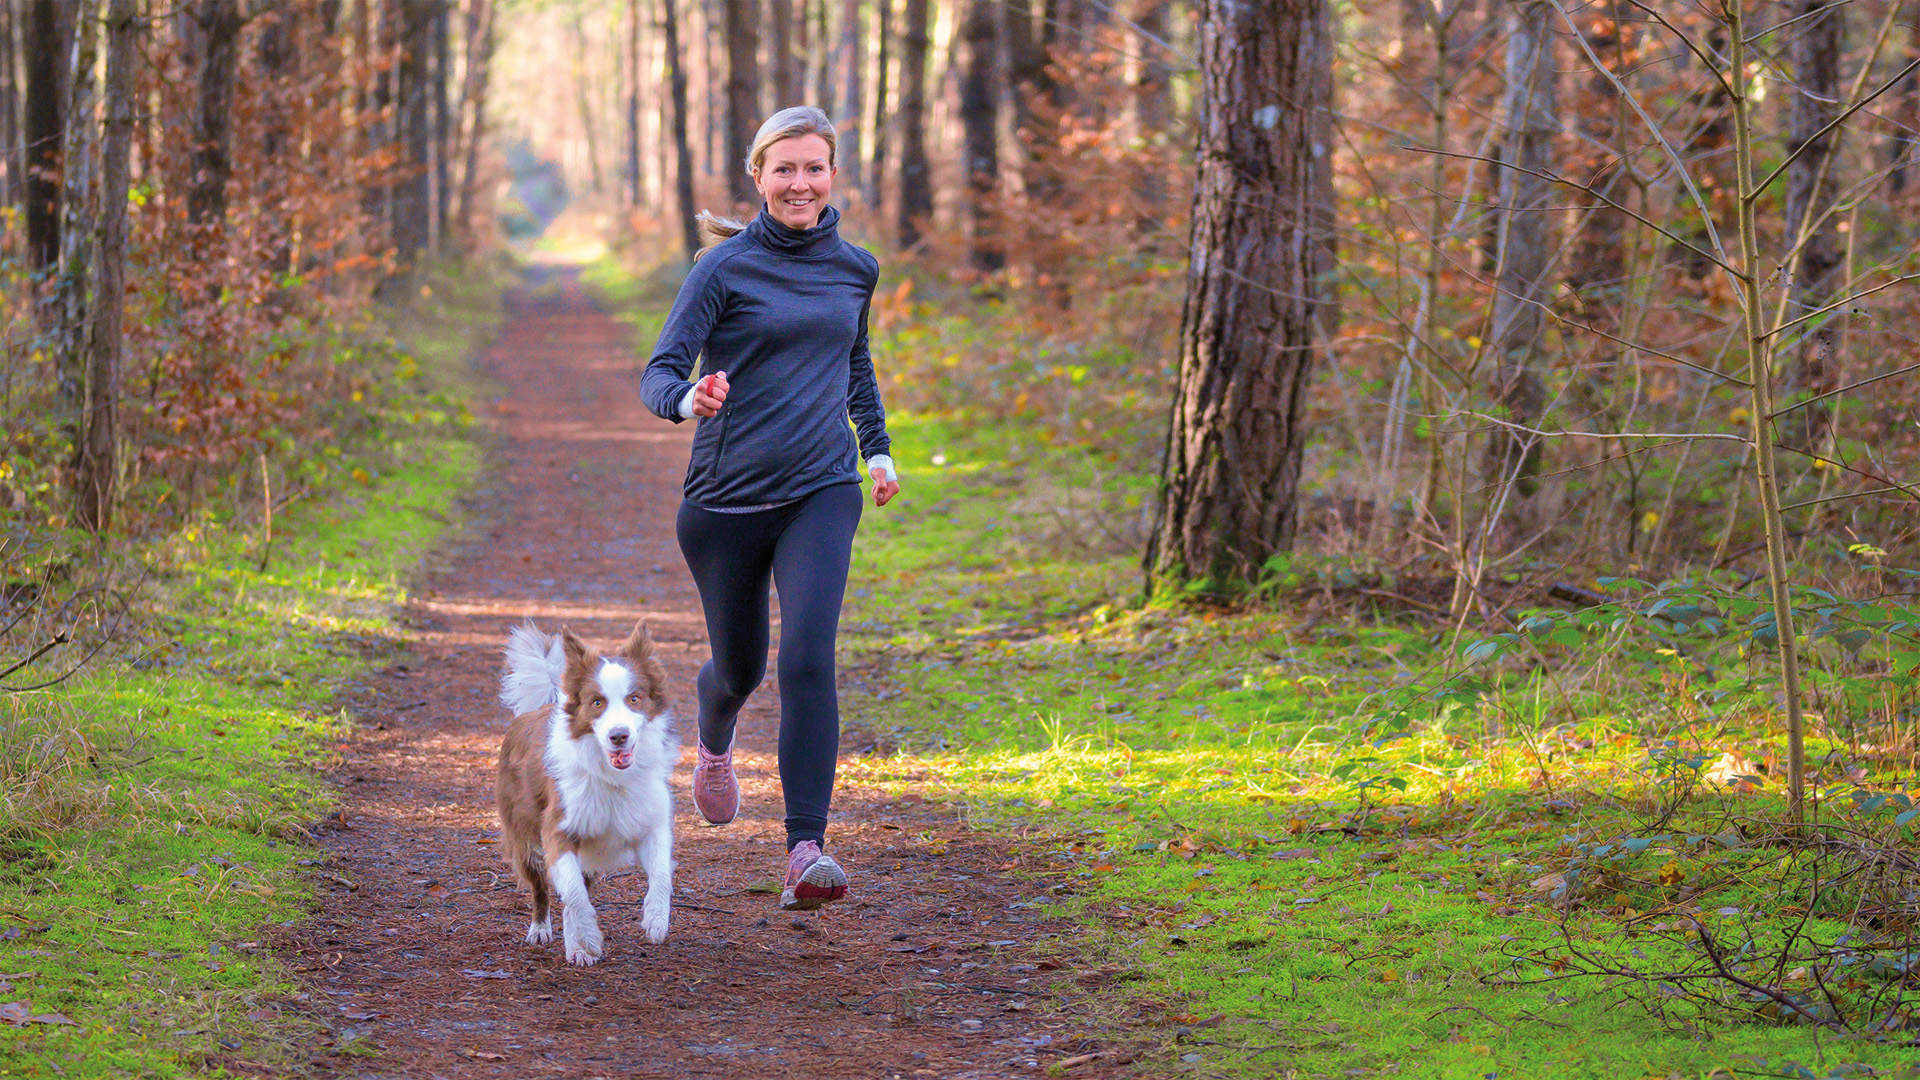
x=576 y=651
x=639 y=652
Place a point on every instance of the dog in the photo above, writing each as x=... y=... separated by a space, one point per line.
x=583 y=780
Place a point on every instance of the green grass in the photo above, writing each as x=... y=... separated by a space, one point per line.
x=153 y=809
x=1325 y=845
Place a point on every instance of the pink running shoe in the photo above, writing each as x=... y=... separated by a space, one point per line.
x=716 y=793
x=813 y=879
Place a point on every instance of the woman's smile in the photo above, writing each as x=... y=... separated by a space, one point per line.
x=796 y=179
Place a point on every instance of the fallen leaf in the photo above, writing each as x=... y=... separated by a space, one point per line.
x=476 y=973
x=438 y=892
x=765 y=887
x=352 y=1013
x=482 y=1055
x=19 y=1014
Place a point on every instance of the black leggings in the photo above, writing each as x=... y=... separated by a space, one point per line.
x=804 y=547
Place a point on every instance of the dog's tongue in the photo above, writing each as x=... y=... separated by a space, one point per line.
x=621 y=758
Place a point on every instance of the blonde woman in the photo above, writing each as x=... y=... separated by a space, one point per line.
x=779 y=309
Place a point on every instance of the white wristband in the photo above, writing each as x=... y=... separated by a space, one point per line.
x=882 y=462
x=686 y=403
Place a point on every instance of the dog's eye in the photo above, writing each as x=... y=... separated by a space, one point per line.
x=599 y=703
x=633 y=701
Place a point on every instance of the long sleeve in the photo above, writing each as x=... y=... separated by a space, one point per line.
x=702 y=298
x=863 y=394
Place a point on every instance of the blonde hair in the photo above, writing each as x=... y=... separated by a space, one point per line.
x=790 y=123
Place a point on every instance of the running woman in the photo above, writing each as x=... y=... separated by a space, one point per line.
x=779 y=309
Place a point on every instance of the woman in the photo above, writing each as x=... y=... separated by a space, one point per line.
x=779 y=307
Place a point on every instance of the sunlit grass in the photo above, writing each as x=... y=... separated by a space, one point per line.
x=1316 y=844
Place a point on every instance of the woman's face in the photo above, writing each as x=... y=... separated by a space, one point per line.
x=796 y=179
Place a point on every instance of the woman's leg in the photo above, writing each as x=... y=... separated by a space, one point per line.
x=810 y=571
x=731 y=556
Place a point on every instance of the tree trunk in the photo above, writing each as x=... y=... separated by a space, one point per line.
x=743 y=97
x=683 y=153
x=443 y=123
x=583 y=102
x=1152 y=100
x=980 y=121
x=852 y=119
x=1258 y=307
x=1815 y=55
x=1597 y=258
x=70 y=302
x=633 y=103
x=10 y=103
x=916 y=187
x=1033 y=85
x=413 y=197
x=98 y=464
x=215 y=25
x=1903 y=149
x=1526 y=247
x=786 y=74
x=882 y=18
x=279 y=44
x=47 y=57
x=479 y=61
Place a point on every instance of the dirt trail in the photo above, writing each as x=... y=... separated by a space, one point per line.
x=927 y=970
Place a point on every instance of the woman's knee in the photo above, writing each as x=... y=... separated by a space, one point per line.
x=734 y=680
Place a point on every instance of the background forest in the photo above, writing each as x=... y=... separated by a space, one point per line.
x=1482 y=431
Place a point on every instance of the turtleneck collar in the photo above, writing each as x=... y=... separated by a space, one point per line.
x=807 y=244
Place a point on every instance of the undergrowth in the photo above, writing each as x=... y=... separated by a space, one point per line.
x=159 y=752
x=1324 y=833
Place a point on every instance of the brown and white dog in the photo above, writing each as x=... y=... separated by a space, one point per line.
x=583 y=779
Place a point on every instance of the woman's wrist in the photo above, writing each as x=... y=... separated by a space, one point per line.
x=686 y=402
x=878 y=462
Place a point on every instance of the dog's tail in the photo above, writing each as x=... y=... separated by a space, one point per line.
x=530 y=678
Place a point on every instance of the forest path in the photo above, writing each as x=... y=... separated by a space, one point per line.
x=921 y=972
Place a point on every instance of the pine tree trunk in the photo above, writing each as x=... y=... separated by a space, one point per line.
x=1819 y=38
x=980 y=122
x=633 y=103
x=1034 y=91
x=583 y=103
x=443 y=123
x=852 y=120
x=916 y=186
x=743 y=98
x=413 y=198
x=10 y=103
x=1152 y=100
x=479 y=62
x=46 y=61
x=683 y=153
x=786 y=79
x=71 y=281
x=98 y=464
x=216 y=26
x=1526 y=246
x=1258 y=308
x=1596 y=262
x=882 y=31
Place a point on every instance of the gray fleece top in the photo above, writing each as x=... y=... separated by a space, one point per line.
x=784 y=313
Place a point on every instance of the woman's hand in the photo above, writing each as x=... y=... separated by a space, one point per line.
x=884 y=486
x=709 y=394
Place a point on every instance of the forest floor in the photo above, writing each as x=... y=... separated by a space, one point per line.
x=936 y=965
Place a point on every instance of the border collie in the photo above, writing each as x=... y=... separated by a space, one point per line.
x=583 y=779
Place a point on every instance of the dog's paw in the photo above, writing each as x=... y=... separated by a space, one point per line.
x=585 y=948
x=539 y=933
x=655 y=926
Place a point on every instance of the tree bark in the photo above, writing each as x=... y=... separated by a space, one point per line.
x=852 y=119
x=786 y=76
x=412 y=196
x=683 y=153
x=1526 y=249
x=1597 y=258
x=882 y=31
x=743 y=98
x=632 y=176
x=70 y=300
x=10 y=103
x=479 y=61
x=1258 y=308
x=1810 y=187
x=980 y=122
x=215 y=26
x=916 y=187
x=98 y=464
x=46 y=63
x=583 y=103
x=443 y=123
x=1152 y=101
